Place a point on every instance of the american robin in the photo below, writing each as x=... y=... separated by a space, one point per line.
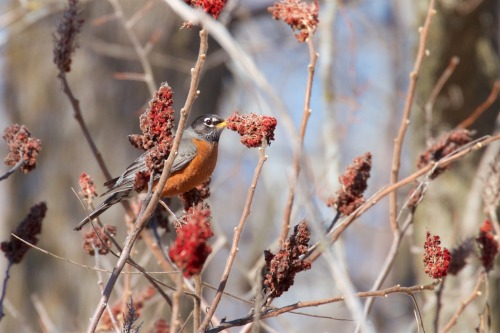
x=194 y=163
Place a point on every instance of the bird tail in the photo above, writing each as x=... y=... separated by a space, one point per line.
x=110 y=201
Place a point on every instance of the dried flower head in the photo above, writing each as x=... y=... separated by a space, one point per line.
x=354 y=184
x=436 y=258
x=459 y=256
x=281 y=268
x=97 y=239
x=300 y=16
x=65 y=36
x=157 y=121
x=211 y=7
x=190 y=249
x=446 y=144
x=253 y=128
x=156 y=125
x=87 y=187
x=488 y=245
x=28 y=229
x=196 y=195
x=22 y=147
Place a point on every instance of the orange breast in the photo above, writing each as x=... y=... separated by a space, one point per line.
x=195 y=172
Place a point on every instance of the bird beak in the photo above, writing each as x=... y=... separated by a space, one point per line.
x=221 y=125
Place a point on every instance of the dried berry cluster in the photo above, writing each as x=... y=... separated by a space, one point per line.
x=157 y=121
x=300 y=16
x=212 y=7
x=190 y=249
x=488 y=245
x=281 y=268
x=156 y=125
x=87 y=187
x=65 y=37
x=253 y=128
x=22 y=147
x=354 y=184
x=97 y=239
x=28 y=229
x=436 y=258
x=447 y=144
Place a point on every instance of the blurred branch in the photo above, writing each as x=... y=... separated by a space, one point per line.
x=176 y=299
x=475 y=293
x=483 y=107
x=436 y=90
x=139 y=49
x=405 y=121
x=77 y=113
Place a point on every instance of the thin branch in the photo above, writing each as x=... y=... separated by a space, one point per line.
x=176 y=303
x=12 y=170
x=4 y=287
x=475 y=293
x=77 y=113
x=151 y=204
x=439 y=304
x=482 y=107
x=198 y=287
x=313 y=57
x=436 y=90
x=299 y=305
x=405 y=121
x=236 y=239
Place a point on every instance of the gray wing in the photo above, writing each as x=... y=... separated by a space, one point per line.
x=125 y=183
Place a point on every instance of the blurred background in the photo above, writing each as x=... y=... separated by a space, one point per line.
x=366 y=52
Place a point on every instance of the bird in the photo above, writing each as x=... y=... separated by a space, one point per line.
x=194 y=163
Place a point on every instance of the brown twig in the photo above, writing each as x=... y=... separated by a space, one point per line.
x=436 y=90
x=313 y=57
x=236 y=239
x=153 y=201
x=475 y=293
x=439 y=304
x=12 y=170
x=482 y=107
x=299 y=305
x=75 y=103
x=198 y=286
x=405 y=121
x=176 y=303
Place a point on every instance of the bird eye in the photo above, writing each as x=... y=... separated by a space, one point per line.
x=208 y=121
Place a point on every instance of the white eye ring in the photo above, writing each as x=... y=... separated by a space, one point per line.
x=209 y=122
